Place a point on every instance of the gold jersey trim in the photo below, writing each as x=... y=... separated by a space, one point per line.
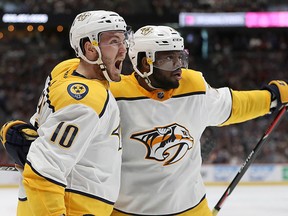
x=192 y=83
x=66 y=89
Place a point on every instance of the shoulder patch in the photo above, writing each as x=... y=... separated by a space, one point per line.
x=77 y=90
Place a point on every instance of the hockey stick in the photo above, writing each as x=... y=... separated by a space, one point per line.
x=7 y=167
x=251 y=157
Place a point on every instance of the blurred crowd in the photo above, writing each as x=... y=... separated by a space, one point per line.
x=132 y=7
x=247 y=61
x=242 y=59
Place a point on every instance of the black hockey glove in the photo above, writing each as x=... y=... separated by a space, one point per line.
x=279 y=91
x=16 y=137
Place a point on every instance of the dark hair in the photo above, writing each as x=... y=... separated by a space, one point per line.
x=82 y=43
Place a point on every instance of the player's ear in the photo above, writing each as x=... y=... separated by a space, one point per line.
x=89 y=47
x=90 y=51
x=145 y=64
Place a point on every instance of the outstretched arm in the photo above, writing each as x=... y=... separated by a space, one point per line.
x=248 y=105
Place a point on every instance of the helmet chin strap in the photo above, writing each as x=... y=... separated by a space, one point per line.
x=145 y=76
x=105 y=73
x=99 y=62
x=148 y=82
x=102 y=65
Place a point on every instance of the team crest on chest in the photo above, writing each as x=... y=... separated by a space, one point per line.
x=168 y=143
x=77 y=90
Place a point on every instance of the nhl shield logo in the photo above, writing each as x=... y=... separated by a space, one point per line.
x=77 y=90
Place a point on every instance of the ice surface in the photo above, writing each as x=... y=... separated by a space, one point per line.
x=244 y=201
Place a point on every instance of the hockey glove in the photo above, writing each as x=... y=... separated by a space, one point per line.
x=279 y=91
x=17 y=136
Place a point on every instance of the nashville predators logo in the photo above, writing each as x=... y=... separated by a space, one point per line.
x=83 y=16
x=77 y=90
x=168 y=144
x=146 y=30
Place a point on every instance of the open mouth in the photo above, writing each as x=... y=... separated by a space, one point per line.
x=118 y=64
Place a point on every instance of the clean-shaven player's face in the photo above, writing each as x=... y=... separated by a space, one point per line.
x=113 y=49
x=167 y=69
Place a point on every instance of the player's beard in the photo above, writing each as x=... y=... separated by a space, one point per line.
x=164 y=81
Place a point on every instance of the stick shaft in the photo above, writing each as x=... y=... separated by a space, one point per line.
x=251 y=157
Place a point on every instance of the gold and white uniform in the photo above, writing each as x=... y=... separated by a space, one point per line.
x=73 y=168
x=161 y=133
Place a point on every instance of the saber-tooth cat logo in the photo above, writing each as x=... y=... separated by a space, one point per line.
x=168 y=143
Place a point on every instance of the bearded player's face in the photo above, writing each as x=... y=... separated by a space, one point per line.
x=167 y=69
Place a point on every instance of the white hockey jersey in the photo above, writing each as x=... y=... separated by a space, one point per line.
x=161 y=133
x=79 y=146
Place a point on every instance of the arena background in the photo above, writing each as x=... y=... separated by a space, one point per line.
x=240 y=57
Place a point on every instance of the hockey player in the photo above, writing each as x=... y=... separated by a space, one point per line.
x=73 y=167
x=164 y=109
